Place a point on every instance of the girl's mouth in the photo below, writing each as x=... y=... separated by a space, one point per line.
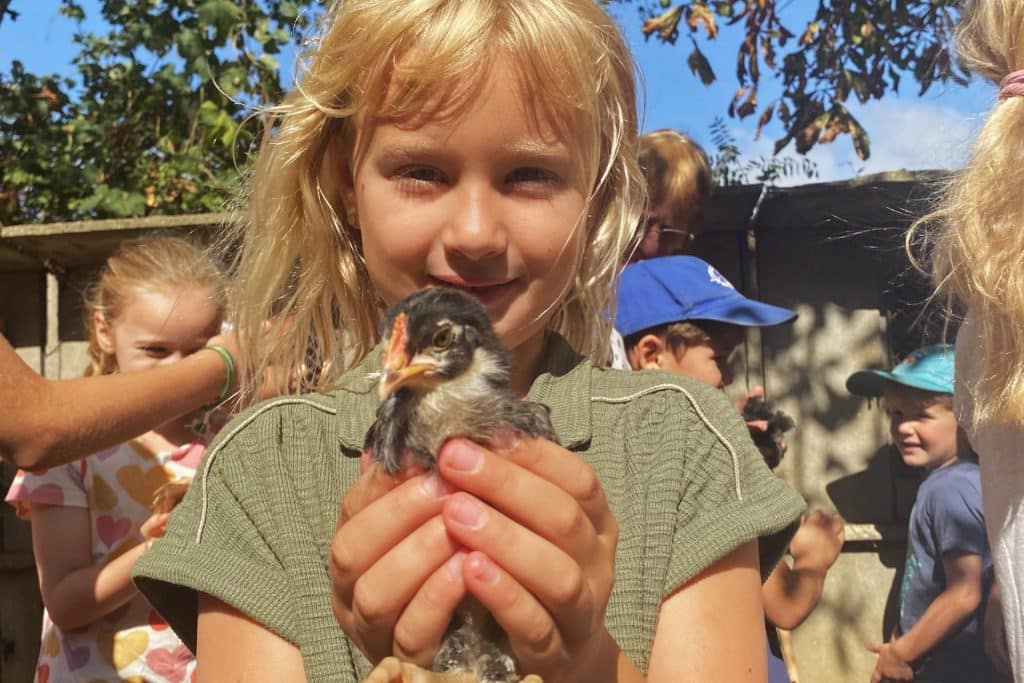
x=487 y=292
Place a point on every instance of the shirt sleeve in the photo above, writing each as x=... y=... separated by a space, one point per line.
x=958 y=524
x=727 y=495
x=62 y=486
x=229 y=537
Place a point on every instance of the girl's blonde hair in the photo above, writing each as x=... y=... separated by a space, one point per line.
x=299 y=259
x=977 y=242
x=148 y=264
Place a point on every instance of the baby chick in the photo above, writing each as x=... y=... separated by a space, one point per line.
x=445 y=374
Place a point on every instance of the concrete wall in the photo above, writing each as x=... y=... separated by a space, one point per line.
x=838 y=458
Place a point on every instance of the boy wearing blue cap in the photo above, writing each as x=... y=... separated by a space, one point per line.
x=679 y=314
x=942 y=596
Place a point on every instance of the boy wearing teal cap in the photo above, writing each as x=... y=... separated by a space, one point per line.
x=939 y=636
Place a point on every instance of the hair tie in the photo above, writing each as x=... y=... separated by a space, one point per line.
x=229 y=374
x=1012 y=85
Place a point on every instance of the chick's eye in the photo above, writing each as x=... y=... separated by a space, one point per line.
x=442 y=338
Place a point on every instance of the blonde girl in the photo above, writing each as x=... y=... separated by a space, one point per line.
x=155 y=302
x=487 y=145
x=978 y=260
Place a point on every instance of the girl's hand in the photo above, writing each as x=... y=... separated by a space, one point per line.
x=395 y=572
x=542 y=552
x=818 y=542
x=891 y=666
x=155 y=526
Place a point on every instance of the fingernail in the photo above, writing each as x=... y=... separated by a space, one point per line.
x=453 y=567
x=467 y=511
x=483 y=569
x=506 y=441
x=436 y=487
x=463 y=456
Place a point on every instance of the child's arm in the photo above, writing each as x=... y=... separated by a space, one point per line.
x=232 y=647
x=791 y=594
x=712 y=629
x=51 y=422
x=75 y=591
x=944 y=617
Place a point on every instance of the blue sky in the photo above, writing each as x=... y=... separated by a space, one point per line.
x=906 y=131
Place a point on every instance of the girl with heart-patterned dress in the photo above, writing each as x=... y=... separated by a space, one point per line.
x=156 y=301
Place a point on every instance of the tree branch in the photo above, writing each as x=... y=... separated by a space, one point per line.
x=4 y=11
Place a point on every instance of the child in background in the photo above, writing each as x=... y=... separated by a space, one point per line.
x=490 y=146
x=942 y=595
x=156 y=301
x=680 y=314
x=678 y=178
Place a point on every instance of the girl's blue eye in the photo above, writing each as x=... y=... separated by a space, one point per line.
x=422 y=174
x=531 y=174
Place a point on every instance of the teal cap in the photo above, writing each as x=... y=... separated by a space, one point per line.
x=929 y=369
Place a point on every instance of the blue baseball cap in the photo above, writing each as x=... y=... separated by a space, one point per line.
x=674 y=289
x=930 y=369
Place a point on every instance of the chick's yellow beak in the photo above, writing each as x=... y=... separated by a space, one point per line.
x=397 y=369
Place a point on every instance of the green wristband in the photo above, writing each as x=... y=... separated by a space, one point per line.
x=229 y=366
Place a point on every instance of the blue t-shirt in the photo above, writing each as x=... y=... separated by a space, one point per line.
x=946 y=519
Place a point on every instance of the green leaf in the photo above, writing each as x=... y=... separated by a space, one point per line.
x=222 y=14
x=188 y=43
x=288 y=10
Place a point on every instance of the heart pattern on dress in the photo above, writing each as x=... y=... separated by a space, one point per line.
x=101 y=496
x=156 y=622
x=76 y=657
x=111 y=530
x=170 y=664
x=51 y=645
x=121 y=648
x=142 y=485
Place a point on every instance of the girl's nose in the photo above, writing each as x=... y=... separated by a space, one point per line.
x=476 y=230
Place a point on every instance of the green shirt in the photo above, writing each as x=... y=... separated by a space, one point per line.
x=680 y=473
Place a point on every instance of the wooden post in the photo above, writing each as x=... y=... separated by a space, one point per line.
x=51 y=350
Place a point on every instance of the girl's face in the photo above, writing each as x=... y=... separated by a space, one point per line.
x=158 y=327
x=487 y=200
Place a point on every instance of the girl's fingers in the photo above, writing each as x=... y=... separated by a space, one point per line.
x=555 y=579
x=533 y=635
x=539 y=484
x=382 y=592
x=418 y=632
x=155 y=526
x=365 y=534
x=373 y=483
